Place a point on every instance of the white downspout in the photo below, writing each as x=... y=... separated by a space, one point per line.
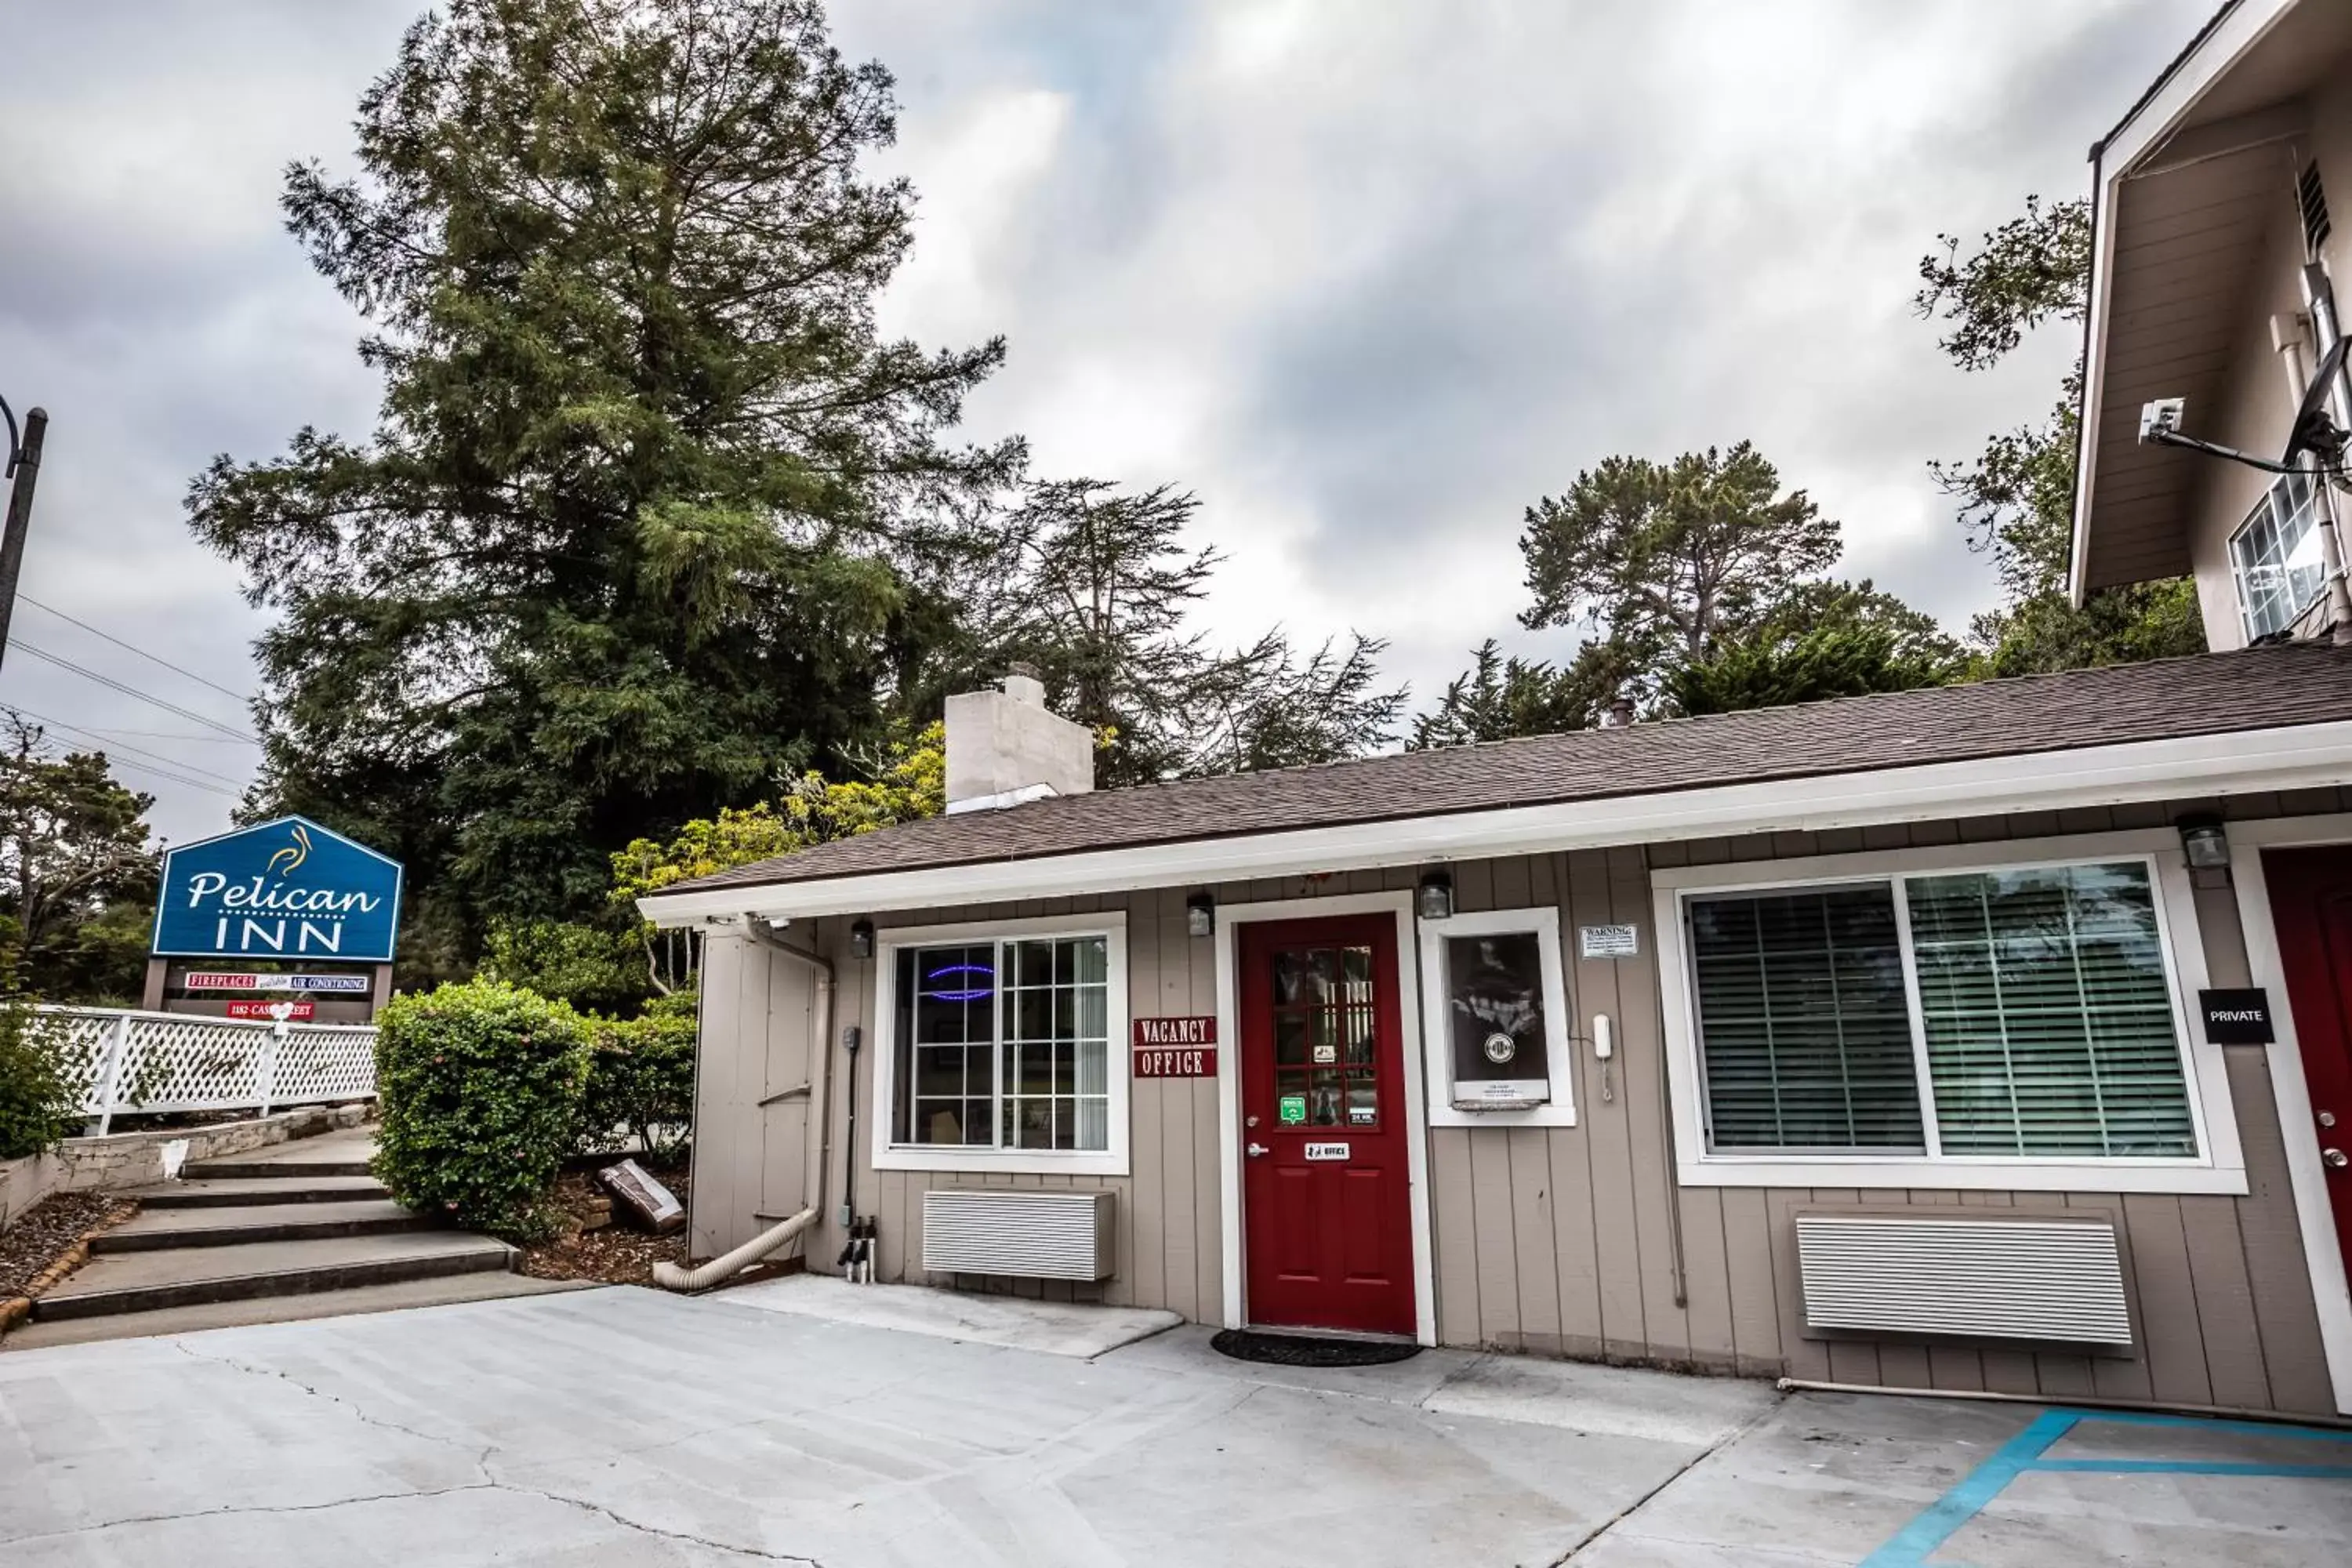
x=669 y=1276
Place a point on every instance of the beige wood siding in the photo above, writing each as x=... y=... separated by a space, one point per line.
x=1565 y=1241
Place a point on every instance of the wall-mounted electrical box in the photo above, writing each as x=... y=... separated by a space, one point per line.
x=1495 y=1016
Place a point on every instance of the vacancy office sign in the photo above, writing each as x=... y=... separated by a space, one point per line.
x=1175 y=1047
x=286 y=890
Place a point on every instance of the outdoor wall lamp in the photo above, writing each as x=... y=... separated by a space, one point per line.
x=1201 y=914
x=2205 y=843
x=861 y=940
x=1436 y=900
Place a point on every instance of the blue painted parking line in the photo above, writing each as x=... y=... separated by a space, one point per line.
x=1948 y=1514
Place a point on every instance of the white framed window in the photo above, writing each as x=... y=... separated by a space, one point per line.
x=1496 y=1020
x=2000 y=1015
x=1002 y=1046
x=2275 y=556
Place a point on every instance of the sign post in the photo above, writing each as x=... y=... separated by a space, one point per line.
x=298 y=898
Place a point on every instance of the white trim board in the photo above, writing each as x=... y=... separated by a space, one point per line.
x=2220 y=1167
x=1230 y=917
x=2232 y=762
x=981 y=1159
x=2306 y=1176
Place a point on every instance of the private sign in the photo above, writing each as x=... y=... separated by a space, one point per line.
x=288 y=889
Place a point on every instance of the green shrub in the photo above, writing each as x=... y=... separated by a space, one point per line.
x=641 y=1080
x=39 y=1100
x=480 y=1087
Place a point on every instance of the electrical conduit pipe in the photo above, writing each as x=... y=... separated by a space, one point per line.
x=669 y=1276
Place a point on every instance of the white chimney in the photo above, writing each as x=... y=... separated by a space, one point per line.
x=1005 y=747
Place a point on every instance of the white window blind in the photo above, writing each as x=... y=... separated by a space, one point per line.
x=2044 y=1022
x=1807 y=1033
x=2048 y=1013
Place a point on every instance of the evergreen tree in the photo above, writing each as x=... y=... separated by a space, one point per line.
x=1498 y=699
x=1666 y=558
x=1825 y=638
x=647 y=521
x=1095 y=590
x=80 y=871
x=2017 y=499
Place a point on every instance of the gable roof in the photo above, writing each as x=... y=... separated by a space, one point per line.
x=2209 y=694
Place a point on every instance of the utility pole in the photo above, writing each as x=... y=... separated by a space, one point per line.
x=24 y=462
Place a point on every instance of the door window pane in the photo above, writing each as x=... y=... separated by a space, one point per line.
x=1326 y=1036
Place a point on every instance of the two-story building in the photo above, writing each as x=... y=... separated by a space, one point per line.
x=1991 y=1037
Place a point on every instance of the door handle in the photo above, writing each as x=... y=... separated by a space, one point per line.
x=2336 y=1159
x=1254 y=1150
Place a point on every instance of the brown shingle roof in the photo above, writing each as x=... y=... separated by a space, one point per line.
x=2256 y=689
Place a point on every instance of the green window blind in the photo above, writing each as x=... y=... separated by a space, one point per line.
x=2049 y=1014
x=1805 y=1031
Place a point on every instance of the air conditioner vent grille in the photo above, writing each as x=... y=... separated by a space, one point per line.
x=2056 y=1280
x=1026 y=1234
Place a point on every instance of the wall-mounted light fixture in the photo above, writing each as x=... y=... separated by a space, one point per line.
x=861 y=940
x=1436 y=901
x=2205 y=842
x=1201 y=914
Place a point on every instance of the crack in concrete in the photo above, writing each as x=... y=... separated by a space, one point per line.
x=1639 y=1503
x=481 y=1460
x=755 y=1553
x=234 y=1510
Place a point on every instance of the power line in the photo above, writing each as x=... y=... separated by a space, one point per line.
x=108 y=680
x=172 y=735
x=177 y=778
x=135 y=750
x=131 y=647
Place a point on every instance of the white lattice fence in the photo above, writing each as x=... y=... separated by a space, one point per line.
x=130 y=1060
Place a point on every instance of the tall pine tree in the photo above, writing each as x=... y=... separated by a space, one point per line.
x=641 y=528
x=2017 y=499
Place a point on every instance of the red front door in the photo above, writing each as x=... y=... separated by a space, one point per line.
x=2311 y=904
x=1327 y=1206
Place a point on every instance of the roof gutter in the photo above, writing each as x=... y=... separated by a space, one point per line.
x=2241 y=762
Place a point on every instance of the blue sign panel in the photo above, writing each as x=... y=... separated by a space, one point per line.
x=286 y=890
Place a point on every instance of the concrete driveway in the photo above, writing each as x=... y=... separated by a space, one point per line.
x=622 y=1427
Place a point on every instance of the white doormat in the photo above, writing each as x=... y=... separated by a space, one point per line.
x=1013 y=1322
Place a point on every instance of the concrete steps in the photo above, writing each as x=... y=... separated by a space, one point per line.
x=296 y=1230
x=440 y=1292
x=190 y=1275
x=157 y=1230
x=250 y=1193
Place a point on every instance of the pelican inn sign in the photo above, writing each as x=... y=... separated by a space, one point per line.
x=286 y=890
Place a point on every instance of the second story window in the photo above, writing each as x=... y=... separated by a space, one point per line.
x=2275 y=557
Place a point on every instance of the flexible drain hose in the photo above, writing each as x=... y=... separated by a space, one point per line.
x=670 y=1277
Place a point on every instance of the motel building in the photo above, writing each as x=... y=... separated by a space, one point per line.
x=1991 y=1037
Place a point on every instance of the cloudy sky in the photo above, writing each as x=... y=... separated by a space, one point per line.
x=1369 y=278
